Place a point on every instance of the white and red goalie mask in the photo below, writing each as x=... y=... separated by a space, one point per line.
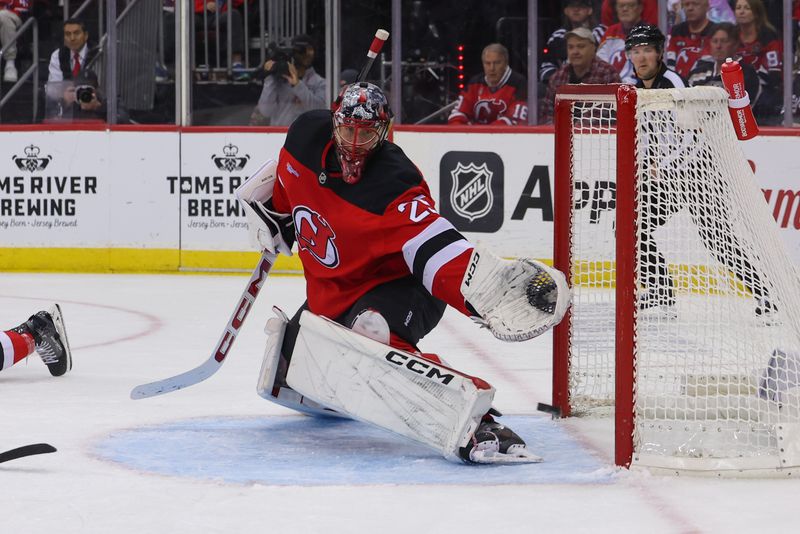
x=360 y=125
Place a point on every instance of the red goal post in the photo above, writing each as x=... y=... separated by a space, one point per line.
x=623 y=98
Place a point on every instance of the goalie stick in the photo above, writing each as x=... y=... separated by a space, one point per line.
x=26 y=450
x=212 y=365
x=217 y=358
x=374 y=49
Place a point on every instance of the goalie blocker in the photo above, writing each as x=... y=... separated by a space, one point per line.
x=335 y=371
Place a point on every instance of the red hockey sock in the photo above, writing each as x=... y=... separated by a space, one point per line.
x=14 y=347
x=400 y=343
x=432 y=357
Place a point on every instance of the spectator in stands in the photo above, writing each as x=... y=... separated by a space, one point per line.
x=761 y=47
x=12 y=13
x=498 y=96
x=577 y=14
x=612 y=47
x=347 y=76
x=718 y=11
x=609 y=14
x=582 y=66
x=286 y=96
x=67 y=63
x=688 y=40
x=83 y=102
x=723 y=44
x=215 y=14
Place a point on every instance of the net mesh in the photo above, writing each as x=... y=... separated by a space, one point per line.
x=716 y=321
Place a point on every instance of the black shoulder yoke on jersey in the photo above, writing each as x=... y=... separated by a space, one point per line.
x=665 y=79
x=520 y=83
x=387 y=175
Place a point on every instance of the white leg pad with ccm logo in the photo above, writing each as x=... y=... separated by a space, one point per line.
x=271 y=380
x=393 y=389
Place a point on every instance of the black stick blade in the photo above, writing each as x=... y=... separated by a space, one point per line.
x=27 y=450
x=554 y=411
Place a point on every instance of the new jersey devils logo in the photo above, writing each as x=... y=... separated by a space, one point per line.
x=315 y=236
x=488 y=110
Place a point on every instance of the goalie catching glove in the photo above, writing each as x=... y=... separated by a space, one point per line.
x=269 y=230
x=516 y=299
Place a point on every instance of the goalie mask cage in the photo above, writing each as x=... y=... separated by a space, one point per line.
x=656 y=203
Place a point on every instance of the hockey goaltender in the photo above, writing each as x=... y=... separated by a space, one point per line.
x=380 y=266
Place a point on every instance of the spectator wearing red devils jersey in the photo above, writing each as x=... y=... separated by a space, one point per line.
x=612 y=47
x=499 y=96
x=689 y=39
x=761 y=48
x=722 y=44
x=609 y=14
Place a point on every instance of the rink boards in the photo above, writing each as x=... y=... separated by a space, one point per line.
x=162 y=200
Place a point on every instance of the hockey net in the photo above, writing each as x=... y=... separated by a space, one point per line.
x=685 y=322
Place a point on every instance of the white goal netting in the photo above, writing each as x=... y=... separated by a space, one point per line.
x=717 y=320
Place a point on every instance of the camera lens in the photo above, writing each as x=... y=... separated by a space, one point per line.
x=84 y=94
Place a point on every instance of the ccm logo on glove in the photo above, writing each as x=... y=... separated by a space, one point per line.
x=471 y=268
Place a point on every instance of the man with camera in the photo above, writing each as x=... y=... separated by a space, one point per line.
x=68 y=64
x=291 y=85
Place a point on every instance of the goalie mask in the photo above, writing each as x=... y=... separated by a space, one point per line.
x=360 y=125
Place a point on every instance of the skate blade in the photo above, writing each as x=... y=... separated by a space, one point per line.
x=491 y=457
x=58 y=321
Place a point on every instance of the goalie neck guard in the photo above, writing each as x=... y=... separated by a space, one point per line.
x=360 y=125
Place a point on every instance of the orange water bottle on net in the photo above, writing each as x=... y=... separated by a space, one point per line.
x=738 y=101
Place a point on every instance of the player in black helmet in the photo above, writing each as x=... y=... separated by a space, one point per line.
x=645 y=48
x=678 y=171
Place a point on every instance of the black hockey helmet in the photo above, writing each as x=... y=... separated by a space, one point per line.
x=645 y=35
x=360 y=125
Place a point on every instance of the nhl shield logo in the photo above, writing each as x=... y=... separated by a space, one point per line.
x=471 y=195
x=32 y=160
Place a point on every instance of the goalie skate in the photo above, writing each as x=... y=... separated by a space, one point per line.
x=494 y=443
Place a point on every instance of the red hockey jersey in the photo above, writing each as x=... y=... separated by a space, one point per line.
x=506 y=104
x=685 y=47
x=352 y=238
x=765 y=54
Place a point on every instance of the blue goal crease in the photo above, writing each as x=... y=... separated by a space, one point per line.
x=307 y=451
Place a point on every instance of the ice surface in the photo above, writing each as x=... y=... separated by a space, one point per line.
x=217 y=458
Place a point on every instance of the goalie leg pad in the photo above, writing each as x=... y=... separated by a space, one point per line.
x=272 y=377
x=516 y=299
x=392 y=389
